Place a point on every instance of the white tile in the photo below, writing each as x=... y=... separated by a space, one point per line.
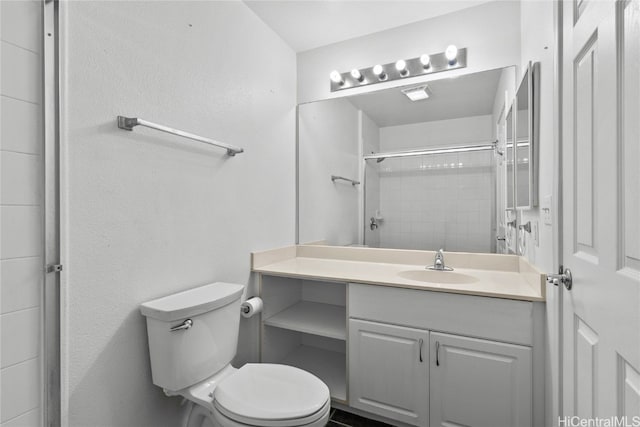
x=30 y=419
x=22 y=281
x=21 y=231
x=20 y=178
x=20 y=389
x=21 y=73
x=21 y=23
x=21 y=128
x=19 y=336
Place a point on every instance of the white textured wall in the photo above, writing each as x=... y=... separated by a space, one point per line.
x=538 y=45
x=21 y=211
x=461 y=131
x=147 y=214
x=328 y=145
x=438 y=201
x=537 y=22
x=490 y=32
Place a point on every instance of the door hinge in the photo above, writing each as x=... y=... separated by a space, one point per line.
x=54 y=268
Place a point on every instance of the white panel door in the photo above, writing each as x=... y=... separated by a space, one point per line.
x=601 y=209
x=479 y=383
x=389 y=371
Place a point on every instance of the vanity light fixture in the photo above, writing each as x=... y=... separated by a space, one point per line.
x=451 y=59
x=417 y=93
x=401 y=67
x=452 y=54
x=336 y=77
x=378 y=70
x=356 y=74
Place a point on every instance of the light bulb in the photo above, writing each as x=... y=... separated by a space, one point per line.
x=379 y=71
x=401 y=66
x=336 y=77
x=356 y=74
x=425 y=60
x=451 y=53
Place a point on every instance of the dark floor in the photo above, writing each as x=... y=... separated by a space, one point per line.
x=344 y=419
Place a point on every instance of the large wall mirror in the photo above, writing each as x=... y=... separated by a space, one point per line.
x=526 y=139
x=382 y=170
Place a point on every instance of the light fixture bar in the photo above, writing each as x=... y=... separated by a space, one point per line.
x=413 y=67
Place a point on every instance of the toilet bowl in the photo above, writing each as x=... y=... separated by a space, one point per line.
x=266 y=395
x=192 y=340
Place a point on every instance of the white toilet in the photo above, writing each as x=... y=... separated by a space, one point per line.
x=192 y=340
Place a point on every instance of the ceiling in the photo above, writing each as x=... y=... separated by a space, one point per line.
x=308 y=24
x=451 y=98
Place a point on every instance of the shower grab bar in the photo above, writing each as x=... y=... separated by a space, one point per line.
x=436 y=150
x=128 y=123
x=352 y=181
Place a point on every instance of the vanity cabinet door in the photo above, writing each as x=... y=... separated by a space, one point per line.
x=479 y=383
x=389 y=371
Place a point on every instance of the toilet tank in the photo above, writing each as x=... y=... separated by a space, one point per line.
x=206 y=343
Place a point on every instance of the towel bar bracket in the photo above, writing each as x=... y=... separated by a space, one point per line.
x=127 y=123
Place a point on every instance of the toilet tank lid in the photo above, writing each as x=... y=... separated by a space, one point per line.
x=192 y=302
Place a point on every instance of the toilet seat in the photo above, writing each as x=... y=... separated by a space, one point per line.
x=319 y=419
x=272 y=395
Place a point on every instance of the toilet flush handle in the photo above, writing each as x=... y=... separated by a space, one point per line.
x=187 y=324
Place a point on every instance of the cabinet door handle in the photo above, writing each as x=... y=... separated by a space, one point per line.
x=437 y=353
x=420 y=342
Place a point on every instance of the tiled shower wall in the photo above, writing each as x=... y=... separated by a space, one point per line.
x=21 y=211
x=438 y=201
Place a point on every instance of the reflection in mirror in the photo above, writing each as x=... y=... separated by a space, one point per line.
x=522 y=143
x=427 y=168
x=526 y=145
x=328 y=145
x=509 y=161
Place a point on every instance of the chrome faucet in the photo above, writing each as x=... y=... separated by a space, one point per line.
x=438 y=262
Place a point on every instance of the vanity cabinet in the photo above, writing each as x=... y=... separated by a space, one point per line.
x=389 y=371
x=479 y=383
x=480 y=363
x=410 y=357
x=434 y=379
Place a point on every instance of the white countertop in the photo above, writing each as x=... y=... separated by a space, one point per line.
x=499 y=276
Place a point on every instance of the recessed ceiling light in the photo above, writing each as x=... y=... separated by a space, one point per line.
x=417 y=93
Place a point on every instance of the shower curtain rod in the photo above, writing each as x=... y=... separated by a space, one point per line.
x=436 y=150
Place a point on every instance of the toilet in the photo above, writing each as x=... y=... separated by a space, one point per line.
x=192 y=339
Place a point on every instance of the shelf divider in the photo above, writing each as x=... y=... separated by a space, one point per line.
x=315 y=318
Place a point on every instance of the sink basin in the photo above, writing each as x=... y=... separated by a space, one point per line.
x=432 y=276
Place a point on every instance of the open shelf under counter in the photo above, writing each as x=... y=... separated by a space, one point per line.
x=326 y=320
x=329 y=366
